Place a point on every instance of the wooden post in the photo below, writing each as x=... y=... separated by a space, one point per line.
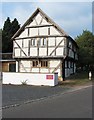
x=47 y=46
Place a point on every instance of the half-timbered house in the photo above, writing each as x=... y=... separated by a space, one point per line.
x=41 y=46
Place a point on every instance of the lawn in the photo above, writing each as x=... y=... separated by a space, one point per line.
x=77 y=79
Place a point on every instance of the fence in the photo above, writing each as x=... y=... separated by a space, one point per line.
x=30 y=78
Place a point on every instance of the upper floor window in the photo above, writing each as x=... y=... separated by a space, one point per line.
x=70 y=45
x=33 y=42
x=71 y=64
x=42 y=42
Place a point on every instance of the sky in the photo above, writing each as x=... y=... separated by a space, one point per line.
x=72 y=17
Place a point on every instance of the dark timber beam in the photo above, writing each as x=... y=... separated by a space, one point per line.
x=20 y=48
x=56 y=47
x=39 y=36
x=37 y=26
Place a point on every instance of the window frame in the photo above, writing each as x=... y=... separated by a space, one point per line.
x=33 y=42
x=41 y=64
x=35 y=63
x=44 y=63
x=42 y=42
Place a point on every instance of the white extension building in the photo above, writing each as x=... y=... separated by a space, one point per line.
x=41 y=46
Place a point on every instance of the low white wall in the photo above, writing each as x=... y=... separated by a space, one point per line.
x=30 y=78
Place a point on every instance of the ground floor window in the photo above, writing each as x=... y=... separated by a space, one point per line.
x=35 y=63
x=42 y=63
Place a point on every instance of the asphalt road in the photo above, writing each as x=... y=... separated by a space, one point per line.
x=77 y=104
x=17 y=94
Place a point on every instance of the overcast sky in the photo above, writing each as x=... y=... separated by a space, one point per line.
x=72 y=17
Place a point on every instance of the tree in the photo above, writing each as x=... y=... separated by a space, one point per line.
x=9 y=29
x=14 y=26
x=6 y=35
x=85 y=41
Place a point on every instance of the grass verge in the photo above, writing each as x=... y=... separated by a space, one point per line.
x=78 y=79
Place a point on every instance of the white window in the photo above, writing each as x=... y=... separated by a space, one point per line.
x=70 y=45
x=42 y=42
x=33 y=42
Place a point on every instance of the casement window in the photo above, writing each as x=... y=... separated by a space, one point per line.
x=42 y=42
x=44 y=63
x=37 y=63
x=34 y=63
x=70 y=45
x=33 y=42
x=71 y=64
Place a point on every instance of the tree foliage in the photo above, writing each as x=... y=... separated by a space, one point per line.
x=8 y=31
x=85 y=41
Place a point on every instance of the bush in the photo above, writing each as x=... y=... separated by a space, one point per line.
x=24 y=82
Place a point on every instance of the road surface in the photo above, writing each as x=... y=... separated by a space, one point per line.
x=76 y=104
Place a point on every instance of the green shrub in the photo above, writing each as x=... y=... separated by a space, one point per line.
x=24 y=82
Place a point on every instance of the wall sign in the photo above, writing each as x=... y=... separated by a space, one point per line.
x=49 y=77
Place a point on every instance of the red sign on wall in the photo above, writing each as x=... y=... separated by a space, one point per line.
x=49 y=77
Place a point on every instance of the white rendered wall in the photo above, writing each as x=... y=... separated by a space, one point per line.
x=30 y=78
x=43 y=31
x=53 y=31
x=58 y=40
x=26 y=66
x=24 y=33
x=33 y=51
x=51 y=41
x=53 y=65
x=42 y=51
x=59 y=51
